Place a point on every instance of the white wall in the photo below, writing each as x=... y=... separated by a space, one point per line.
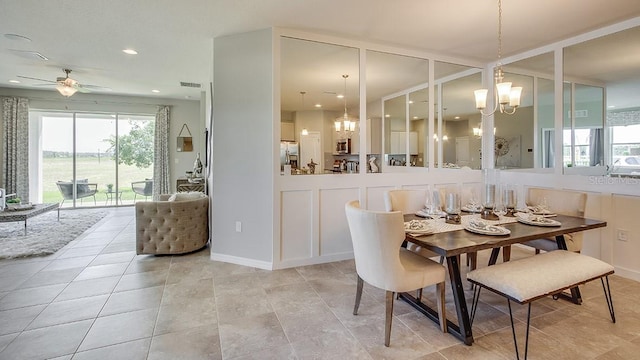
x=188 y=112
x=244 y=148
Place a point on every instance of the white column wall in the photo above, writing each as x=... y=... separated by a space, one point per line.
x=243 y=149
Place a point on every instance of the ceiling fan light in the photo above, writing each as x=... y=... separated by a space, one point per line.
x=66 y=90
x=514 y=96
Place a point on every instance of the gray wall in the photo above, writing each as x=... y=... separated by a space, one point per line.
x=188 y=112
x=243 y=146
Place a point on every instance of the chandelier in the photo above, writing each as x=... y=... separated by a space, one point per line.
x=507 y=98
x=343 y=123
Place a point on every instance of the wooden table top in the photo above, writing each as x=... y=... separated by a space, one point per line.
x=462 y=241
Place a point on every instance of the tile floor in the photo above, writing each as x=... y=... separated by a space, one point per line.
x=95 y=299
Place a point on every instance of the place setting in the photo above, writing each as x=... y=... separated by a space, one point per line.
x=418 y=228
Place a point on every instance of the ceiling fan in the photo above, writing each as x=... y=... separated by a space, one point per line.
x=67 y=86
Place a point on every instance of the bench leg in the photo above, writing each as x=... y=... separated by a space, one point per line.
x=607 y=295
x=513 y=331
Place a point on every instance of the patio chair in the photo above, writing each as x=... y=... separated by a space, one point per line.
x=144 y=188
x=83 y=189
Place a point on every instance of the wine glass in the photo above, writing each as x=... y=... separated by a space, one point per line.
x=474 y=200
x=499 y=209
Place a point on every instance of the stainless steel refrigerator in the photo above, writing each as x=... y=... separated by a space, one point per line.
x=289 y=154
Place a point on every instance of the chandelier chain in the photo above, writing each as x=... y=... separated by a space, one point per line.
x=499 y=32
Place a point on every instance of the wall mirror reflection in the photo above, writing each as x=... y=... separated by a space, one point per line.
x=320 y=103
x=391 y=79
x=598 y=69
x=530 y=131
x=457 y=145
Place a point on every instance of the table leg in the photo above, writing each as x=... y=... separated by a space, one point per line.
x=575 y=297
x=494 y=256
x=459 y=300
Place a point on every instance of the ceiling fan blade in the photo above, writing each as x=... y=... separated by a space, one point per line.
x=95 y=87
x=31 y=78
x=81 y=88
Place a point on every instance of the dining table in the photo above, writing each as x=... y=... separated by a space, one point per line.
x=450 y=241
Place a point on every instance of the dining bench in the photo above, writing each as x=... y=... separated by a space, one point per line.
x=533 y=278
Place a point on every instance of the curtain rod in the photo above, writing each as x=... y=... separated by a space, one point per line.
x=97 y=102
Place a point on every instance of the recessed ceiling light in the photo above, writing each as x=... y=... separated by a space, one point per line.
x=17 y=37
x=14 y=81
x=387 y=115
x=318 y=105
x=415 y=117
x=456 y=117
x=410 y=101
x=155 y=91
x=130 y=51
x=340 y=96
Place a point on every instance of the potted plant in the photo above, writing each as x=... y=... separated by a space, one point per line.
x=109 y=187
x=13 y=203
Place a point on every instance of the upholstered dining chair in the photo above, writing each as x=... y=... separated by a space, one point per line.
x=382 y=262
x=409 y=202
x=563 y=202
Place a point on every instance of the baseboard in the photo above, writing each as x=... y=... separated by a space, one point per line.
x=264 y=265
x=628 y=273
x=313 y=261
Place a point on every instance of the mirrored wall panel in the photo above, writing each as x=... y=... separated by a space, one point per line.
x=320 y=122
x=603 y=80
x=456 y=143
x=391 y=81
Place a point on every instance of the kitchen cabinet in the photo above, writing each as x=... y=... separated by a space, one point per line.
x=287 y=131
x=398 y=142
x=374 y=136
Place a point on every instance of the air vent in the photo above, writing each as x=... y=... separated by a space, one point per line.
x=579 y=113
x=190 y=84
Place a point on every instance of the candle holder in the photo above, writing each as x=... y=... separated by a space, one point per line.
x=491 y=180
x=509 y=196
x=452 y=207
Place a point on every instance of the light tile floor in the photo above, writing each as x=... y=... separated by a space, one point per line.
x=95 y=299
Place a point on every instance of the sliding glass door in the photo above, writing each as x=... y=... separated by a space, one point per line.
x=90 y=159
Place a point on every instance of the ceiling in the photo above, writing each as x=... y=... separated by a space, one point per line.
x=174 y=38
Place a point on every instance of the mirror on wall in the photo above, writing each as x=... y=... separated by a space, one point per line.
x=319 y=102
x=531 y=128
x=602 y=78
x=456 y=145
x=391 y=79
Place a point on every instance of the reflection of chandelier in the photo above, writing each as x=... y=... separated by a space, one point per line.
x=343 y=123
x=477 y=131
x=506 y=96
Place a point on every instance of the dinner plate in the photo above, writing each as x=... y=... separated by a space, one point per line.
x=538 y=221
x=483 y=228
x=471 y=209
x=418 y=227
x=424 y=214
x=536 y=210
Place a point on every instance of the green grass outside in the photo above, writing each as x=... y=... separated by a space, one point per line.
x=99 y=171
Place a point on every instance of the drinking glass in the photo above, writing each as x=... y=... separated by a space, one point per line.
x=474 y=200
x=499 y=209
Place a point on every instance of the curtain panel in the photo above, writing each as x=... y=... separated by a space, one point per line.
x=161 y=180
x=15 y=146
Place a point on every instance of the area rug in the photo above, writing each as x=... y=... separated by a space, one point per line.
x=45 y=234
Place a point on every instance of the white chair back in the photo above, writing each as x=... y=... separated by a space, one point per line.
x=377 y=237
x=406 y=201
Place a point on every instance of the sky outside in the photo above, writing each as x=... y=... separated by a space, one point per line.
x=91 y=133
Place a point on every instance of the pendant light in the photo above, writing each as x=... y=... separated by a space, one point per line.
x=507 y=98
x=304 y=131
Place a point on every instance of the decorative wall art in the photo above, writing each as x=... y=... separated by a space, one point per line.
x=507 y=152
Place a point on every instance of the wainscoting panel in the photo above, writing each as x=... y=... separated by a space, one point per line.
x=375 y=197
x=334 y=235
x=296 y=241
